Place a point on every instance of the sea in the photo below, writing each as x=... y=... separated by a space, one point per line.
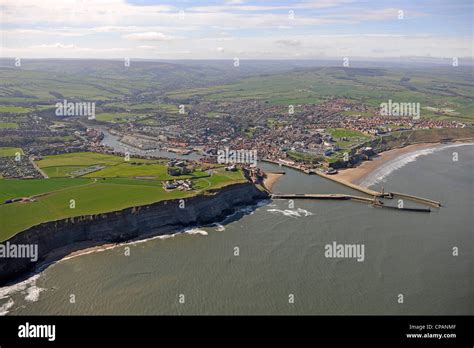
x=271 y=258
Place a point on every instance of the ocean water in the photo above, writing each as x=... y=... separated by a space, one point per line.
x=281 y=254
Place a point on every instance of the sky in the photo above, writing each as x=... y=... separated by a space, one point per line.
x=254 y=29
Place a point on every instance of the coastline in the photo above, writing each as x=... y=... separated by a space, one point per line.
x=356 y=174
x=67 y=238
x=112 y=234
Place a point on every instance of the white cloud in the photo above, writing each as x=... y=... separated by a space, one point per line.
x=235 y=2
x=118 y=15
x=148 y=36
x=280 y=47
x=302 y=5
x=292 y=43
x=93 y=28
x=383 y=14
x=55 y=45
x=147 y=47
x=103 y=12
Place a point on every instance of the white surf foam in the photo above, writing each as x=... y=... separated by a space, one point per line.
x=291 y=212
x=33 y=293
x=245 y=210
x=135 y=242
x=27 y=287
x=220 y=228
x=304 y=212
x=7 y=291
x=90 y=251
x=162 y=237
x=381 y=173
x=4 y=309
x=196 y=231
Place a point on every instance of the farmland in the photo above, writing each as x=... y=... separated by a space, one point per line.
x=13 y=109
x=8 y=125
x=10 y=151
x=113 y=189
x=118 y=117
x=67 y=165
x=447 y=88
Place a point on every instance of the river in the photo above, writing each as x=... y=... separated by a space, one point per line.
x=113 y=141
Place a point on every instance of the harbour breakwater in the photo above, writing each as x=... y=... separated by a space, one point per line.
x=365 y=190
x=56 y=239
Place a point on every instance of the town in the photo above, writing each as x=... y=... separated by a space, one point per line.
x=305 y=136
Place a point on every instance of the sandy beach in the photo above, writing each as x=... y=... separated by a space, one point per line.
x=356 y=174
x=271 y=179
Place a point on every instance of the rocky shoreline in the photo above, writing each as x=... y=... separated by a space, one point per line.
x=57 y=239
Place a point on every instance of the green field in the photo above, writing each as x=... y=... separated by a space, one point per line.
x=219 y=179
x=157 y=171
x=61 y=171
x=13 y=188
x=10 y=151
x=44 y=82
x=118 y=117
x=304 y=157
x=66 y=165
x=80 y=159
x=90 y=198
x=95 y=194
x=8 y=125
x=434 y=88
x=150 y=121
x=93 y=198
x=215 y=114
x=345 y=133
x=14 y=109
x=346 y=138
x=134 y=107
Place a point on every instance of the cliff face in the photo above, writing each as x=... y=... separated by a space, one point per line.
x=53 y=238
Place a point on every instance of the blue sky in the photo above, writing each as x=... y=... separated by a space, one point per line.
x=236 y=28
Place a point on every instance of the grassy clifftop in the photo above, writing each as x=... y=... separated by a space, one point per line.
x=404 y=138
x=110 y=190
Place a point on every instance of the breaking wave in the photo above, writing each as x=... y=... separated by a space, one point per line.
x=196 y=231
x=291 y=212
